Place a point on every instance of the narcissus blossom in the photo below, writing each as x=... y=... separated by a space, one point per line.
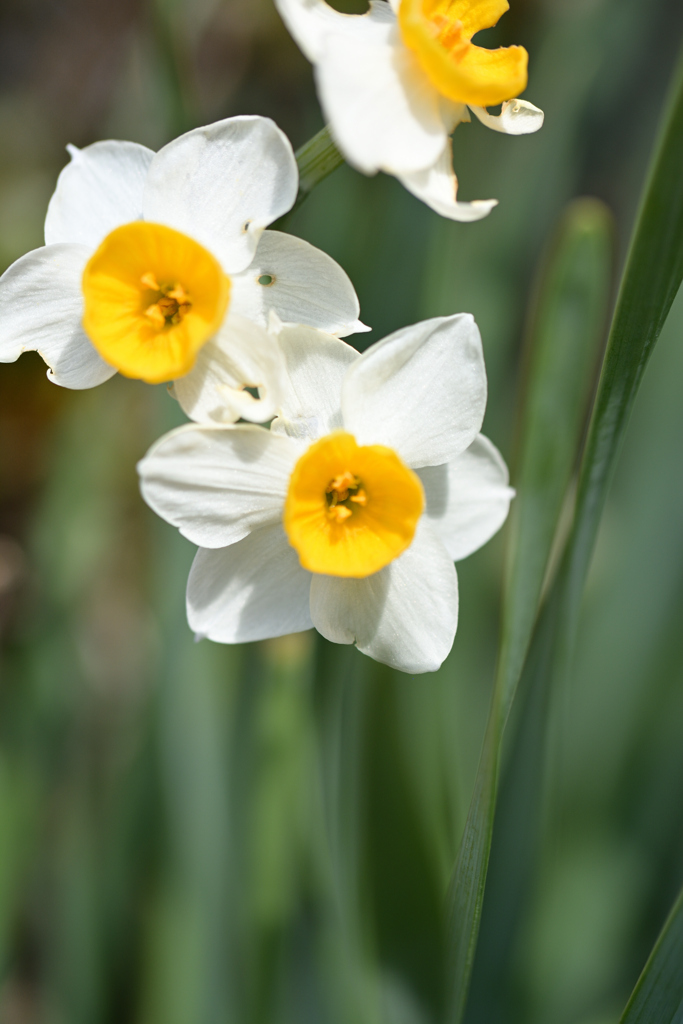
x=348 y=513
x=158 y=266
x=396 y=81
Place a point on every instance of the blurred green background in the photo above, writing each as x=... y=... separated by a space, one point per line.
x=190 y=833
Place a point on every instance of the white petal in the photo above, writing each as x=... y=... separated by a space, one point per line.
x=404 y=616
x=307 y=287
x=316 y=365
x=218 y=484
x=41 y=306
x=468 y=499
x=252 y=590
x=437 y=186
x=98 y=191
x=384 y=113
x=310 y=20
x=517 y=117
x=421 y=391
x=241 y=355
x=454 y=114
x=223 y=184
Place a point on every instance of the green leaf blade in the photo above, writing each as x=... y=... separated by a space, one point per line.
x=567 y=328
x=652 y=278
x=658 y=995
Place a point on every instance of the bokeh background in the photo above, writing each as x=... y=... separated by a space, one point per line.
x=191 y=833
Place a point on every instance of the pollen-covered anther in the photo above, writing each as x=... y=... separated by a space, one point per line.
x=171 y=305
x=346 y=487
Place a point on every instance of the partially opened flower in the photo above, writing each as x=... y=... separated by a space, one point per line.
x=158 y=266
x=349 y=512
x=396 y=81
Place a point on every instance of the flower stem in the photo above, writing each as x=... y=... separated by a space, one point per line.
x=316 y=159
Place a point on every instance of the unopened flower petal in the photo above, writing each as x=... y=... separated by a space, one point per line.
x=252 y=590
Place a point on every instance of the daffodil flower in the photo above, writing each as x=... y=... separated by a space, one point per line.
x=158 y=266
x=395 y=82
x=349 y=512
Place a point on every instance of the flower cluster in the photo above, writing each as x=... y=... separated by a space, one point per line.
x=349 y=512
x=323 y=487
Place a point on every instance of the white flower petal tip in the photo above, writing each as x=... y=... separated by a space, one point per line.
x=431 y=373
x=40 y=310
x=468 y=499
x=223 y=184
x=517 y=117
x=437 y=186
x=100 y=189
x=252 y=590
x=357 y=328
x=404 y=616
x=298 y=284
x=242 y=355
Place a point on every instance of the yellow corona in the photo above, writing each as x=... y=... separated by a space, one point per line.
x=440 y=34
x=350 y=509
x=153 y=296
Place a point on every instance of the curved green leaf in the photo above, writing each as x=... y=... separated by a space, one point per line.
x=658 y=996
x=652 y=277
x=567 y=328
x=653 y=274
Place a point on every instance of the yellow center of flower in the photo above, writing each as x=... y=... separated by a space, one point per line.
x=440 y=33
x=351 y=510
x=153 y=297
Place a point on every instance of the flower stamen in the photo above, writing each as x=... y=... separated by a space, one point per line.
x=172 y=302
x=342 y=489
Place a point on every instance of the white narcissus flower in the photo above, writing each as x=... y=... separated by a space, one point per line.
x=348 y=513
x=158 y=265
x=396 y=81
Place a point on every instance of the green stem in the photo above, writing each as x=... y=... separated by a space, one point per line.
x=316 y=159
